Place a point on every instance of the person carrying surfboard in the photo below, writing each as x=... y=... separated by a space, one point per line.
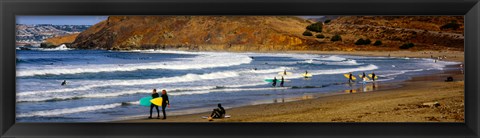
x=274 y=82
x=373 y=76
x=154 y=95
x=165 y=102
x=350 y=77
x=281 y=82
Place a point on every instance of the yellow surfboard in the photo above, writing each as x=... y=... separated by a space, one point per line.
x=348 y=76
x=307 y=75
x=370 y=75
x=157 y=101
x=360 y=75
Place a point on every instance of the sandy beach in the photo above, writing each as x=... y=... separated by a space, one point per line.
x=421 y=99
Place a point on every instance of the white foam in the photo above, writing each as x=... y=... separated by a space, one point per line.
x=184 y=78
x=57 y=112
x=200 y=62
x=332 y=58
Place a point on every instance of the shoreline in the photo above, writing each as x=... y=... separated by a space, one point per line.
x=428 y=81
x=450 y=109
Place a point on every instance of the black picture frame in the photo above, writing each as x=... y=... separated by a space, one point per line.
x=470 y=9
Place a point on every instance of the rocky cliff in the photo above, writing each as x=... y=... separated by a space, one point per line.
x=234 y=33
x=272 y=33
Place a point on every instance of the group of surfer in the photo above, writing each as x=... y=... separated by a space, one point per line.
x=364 y=77
x=165 y=102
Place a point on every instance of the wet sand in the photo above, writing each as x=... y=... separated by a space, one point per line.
x=412 y=101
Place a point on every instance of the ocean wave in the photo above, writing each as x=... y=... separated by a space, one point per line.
x=64 y=111
x=177 y=79
x=130 y=92
x=200 y=62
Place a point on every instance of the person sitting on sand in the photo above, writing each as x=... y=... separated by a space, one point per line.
x=64 y=82
x=274 y=83
x=154 y=95
x=165 y=102
x=281 y=82
x=218 y=112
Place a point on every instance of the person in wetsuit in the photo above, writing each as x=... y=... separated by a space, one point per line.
x=165 y=102
x=274 y=83
x=363 y=75
x=154 y=95
x=373 y=76
x=281 y=82
x=64 y=82
x=284 y=72
x=350 y=78
x=218 y=112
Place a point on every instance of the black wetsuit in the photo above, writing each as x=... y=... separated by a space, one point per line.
x=218 y=112
x=64 y=83
x=153 y=105
x=363 y=76
x=350 y=78
x=274 y=83
x=281 y=82
x=165 y=102
x=373 y=76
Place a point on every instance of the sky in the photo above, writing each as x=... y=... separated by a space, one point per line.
x=60 y=20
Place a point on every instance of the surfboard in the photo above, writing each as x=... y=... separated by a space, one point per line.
x=226 y=116
x=278 y=80
x=360 y=76
x=307 y=75
x=157 y=101
x=145 y=101
x=283 y=73
x=370 y=75
x=348 y=76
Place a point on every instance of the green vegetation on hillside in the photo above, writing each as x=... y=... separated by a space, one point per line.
x=316 y=27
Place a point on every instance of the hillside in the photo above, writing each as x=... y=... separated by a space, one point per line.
x=234 y=33
x=67 y=39
x=273 y=33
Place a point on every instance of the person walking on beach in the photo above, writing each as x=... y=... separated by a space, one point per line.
x=165 y=102
x=350 y=78
x=154 y=95
x=281 y=82
x=373 y=76
x=274 y=83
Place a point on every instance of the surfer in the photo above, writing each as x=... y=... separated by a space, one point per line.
x=218 y=112
x=64 y=82
x=306 y=72
x=363 y=75
x=373 y=76
x=154 y=95
x=281 y=82
x=350 y=77
x=165 y=102
x=274 y=82
x=284 y=72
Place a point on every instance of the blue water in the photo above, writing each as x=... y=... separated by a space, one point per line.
x=106 y=85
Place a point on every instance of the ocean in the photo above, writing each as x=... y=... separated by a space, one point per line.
x=106 y=85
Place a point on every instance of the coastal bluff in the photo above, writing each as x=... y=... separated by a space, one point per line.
x=274 y=33
x=235 y=33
